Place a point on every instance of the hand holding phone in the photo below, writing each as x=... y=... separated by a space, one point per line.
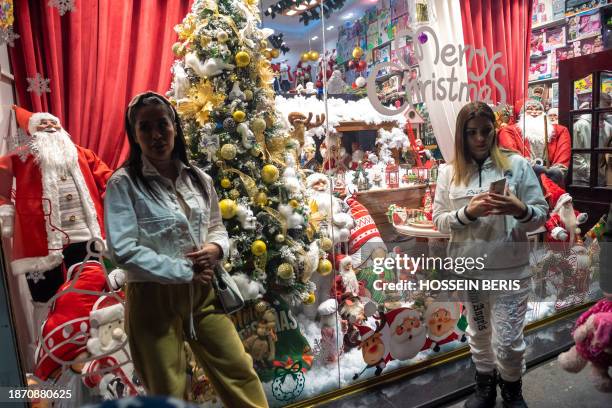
x=498 y=187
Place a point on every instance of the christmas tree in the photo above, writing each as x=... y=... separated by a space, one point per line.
x=222 y=89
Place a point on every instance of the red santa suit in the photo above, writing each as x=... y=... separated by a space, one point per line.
x=38 y=240
x=559 y=144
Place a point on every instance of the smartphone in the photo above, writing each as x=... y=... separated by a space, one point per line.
x=498 y=187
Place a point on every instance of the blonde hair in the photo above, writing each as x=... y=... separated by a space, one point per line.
x=462 y=163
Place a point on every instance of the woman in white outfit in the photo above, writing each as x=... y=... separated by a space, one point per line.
x=492 y=226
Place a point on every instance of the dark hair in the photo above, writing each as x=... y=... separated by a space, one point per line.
x=133 y=164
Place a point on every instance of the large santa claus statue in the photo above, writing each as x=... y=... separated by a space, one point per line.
x=546 y=145
x=562 y=226
x=338 y=222
x=57 y=206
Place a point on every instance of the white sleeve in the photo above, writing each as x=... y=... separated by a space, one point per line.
x=445 y=217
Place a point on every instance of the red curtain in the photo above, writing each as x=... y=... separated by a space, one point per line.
x=500 y=26
x=97 y=57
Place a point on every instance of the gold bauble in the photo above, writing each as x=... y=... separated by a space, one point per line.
x=326 y=244
x=310 y=299
x=261 y=307
x=269 y=173
x=357 y=52
x=285 y=270
x=228 y=208
x=294 y=203
x=258 y=247
x=263 y=44
x=239 y=116
x=178 y=49
x=228 y=151
x=242 y=59
x=305 y=57
x=226 y=183
x=258 y=125
x=222 y=36
x=228 y=266
x=248 y=95
x=234 y=194
x=261 y=199
x=313 y=55
x=275 y=53
x=325 y=267
x=280 y=238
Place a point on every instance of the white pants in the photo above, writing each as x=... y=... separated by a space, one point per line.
x=495 y=330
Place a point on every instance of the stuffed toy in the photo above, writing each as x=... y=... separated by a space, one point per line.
x=593 y=337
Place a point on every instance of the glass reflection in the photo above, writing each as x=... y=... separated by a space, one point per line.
x=581 y=169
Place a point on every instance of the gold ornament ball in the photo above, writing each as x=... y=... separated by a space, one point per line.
x=239 y=116
x=261 y=307
x=227 y=266
x=248 y=95
x=263 y=44
x=325 y=267
x=279 y=238
x=267 y=53
x=313 y=55
x=294 y=203
x=285 y=270
x=357 y=52
x=310 y=299
x=178 y=49
x=326 y=244
x=226 y=183
x=234 y=194
x=222 y=36
x=258 y=247
x=258 y=125
x=305 y=57
x=242 y=59
x=269 y=173
x=261 y=199
x=228 y=151
x=275 y=53
x=228 y=208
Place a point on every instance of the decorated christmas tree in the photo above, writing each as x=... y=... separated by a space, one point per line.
x=222 y=89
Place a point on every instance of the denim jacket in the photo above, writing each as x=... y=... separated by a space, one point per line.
x=148 y=235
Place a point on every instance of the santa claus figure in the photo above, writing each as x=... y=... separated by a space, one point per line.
x=62 y=349
x=374 y=334
x=330 y=348
x=285 y=76
x=562 y=226
x=365 y=241
x=407 y=331
x=553 y=116
x=546 y=145
x=337 y=223
x=424 y=154
x=445 y=323
x=57 y=206
x=357 y=156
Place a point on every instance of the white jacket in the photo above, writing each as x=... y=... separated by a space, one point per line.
x=501 y=240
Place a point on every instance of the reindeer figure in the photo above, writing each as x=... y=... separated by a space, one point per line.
x=301 y=123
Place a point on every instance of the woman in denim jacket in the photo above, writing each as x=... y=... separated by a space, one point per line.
x=164 y=228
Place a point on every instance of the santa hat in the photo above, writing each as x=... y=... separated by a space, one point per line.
x=315 y=178
x=365 y=229
x=66 y=330
x=553 y=111
x=531 y=102
x=555 y=195
x=106 y=310
x=396 y=316
x=329 y=307
x=453 y=307
x=36 y=118
x=343 y=263
x=367 y=329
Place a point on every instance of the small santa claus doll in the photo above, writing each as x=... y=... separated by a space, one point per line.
x=408 y=333
x=562 y=226
x=545 y=144
x=338 y=221
x=445 y=323
x=374 y=335
x=357 y=156
x=330 y=346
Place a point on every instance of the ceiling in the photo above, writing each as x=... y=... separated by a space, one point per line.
x=296 y=34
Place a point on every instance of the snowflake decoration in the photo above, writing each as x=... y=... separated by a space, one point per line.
x=35 y=276
x=8 y=36
x=62 y=5
x=38 y=84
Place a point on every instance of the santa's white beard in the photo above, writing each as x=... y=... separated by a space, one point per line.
x=54 y=151
x=533 y=128
x=351 y=284
x=324 y=202
x=567 y=216
x=408 y=344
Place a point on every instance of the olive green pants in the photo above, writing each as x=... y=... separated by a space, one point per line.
x=157 y=322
